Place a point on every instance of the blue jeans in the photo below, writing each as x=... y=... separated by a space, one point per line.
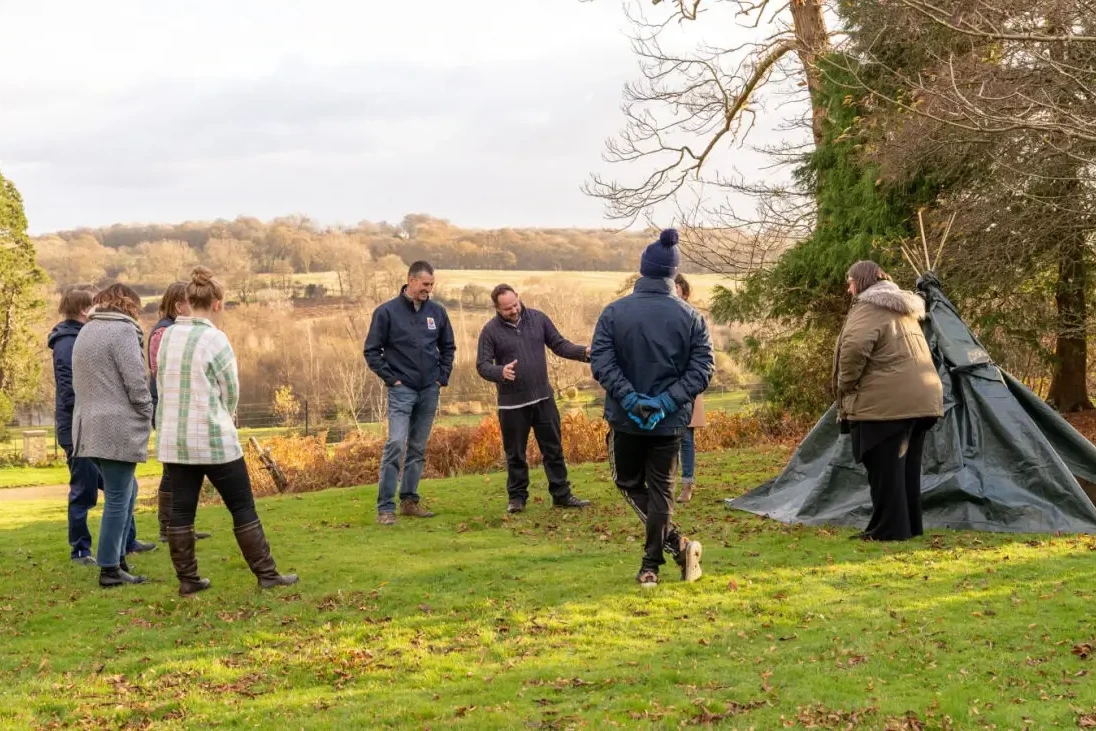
x=688 y=455
x=410 y=419
x=85 y=482
x=119 y=493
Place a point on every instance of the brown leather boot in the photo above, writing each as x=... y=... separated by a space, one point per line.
x=180 y=541
x=414 y=509
x=256 y=551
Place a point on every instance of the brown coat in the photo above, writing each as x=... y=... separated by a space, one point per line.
x=699 y=418
x=882 y=367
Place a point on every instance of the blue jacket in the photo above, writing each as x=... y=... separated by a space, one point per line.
x=61 y=340
x=413 y=347
x=652 y=342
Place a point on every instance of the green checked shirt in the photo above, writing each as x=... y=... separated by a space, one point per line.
x=199 y=391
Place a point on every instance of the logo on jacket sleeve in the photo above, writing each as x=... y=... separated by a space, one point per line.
x=430 y=324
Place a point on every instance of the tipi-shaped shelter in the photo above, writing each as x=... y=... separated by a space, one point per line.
x=999 y=460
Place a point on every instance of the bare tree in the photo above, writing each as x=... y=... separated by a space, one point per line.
x=690 y=107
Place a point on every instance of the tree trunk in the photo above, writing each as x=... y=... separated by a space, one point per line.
x=1069 y=385
x=812 y=40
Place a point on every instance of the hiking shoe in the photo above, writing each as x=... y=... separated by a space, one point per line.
x=85 y=560
x=413 y=509
x=690 y=561
x=570 y=502
x=516 y=506
x=386 y=518
x=141 y=547
x=647 y=578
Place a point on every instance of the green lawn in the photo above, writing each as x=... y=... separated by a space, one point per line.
x=57 y=475
x=478 y=620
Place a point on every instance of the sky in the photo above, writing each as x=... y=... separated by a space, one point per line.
x=486 y=112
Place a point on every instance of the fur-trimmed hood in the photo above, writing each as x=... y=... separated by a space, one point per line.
x=890 y=296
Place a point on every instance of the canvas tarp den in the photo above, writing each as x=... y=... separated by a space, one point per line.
x=999 y=460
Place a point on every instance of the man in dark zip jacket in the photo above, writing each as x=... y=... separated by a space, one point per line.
x=85 y=482
x=652 y=354
x=410 y=346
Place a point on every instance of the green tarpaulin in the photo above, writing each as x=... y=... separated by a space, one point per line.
x=999 y=460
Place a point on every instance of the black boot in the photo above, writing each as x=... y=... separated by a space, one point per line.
x=110 y=577
x=256 y=551
x=180 y=542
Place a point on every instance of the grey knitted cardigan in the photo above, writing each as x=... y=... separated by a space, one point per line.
x=113 y=414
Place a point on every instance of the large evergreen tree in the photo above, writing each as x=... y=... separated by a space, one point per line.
x=21 y=304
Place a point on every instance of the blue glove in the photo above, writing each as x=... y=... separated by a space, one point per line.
x=630 y=401
x=666 y=403
x=655 y=410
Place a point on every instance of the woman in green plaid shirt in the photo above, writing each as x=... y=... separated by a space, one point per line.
x=196 y=438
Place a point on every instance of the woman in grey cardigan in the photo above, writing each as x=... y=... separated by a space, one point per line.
x=113 y=416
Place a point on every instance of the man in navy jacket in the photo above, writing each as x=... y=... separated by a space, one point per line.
x=652 y=354
x=84 y=478
x=410 y=346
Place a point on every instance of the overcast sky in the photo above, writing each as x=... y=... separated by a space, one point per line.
x=486 y=112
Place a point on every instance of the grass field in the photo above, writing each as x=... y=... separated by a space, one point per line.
x=478 y=620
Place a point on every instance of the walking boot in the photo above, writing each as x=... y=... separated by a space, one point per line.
x=688 y=558
x=180 y=541
x=256 y=551
x=686 y=492
x=414 y=509
x=114 y=576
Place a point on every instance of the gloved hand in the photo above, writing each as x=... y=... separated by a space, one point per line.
x=666 y=403
x=654 y=410
x=630 y=400
x=641 y=409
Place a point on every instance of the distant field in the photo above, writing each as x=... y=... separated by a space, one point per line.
x=601 y=283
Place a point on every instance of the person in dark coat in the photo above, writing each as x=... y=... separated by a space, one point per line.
x=410 y=346
x=85 y=481
x=652 y=354
x=511 y=355
x=172 y=305
x=889 y=395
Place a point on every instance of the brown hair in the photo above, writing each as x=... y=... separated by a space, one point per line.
x=173 y=297
x=203 y=289
x=686 y=289
x=119 y=298
x=499 y=291
x=864 y=274
x=74 y=303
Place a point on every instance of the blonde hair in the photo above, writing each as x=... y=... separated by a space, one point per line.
x=173 y=297
x=204 y=289
x=865 y=273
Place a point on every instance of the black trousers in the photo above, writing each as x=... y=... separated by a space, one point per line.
x=644 y=469
x=894 y=475
x=230 y=480
x=543 y=418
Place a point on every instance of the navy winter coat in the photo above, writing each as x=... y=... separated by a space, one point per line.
x=652 y=342
x=61 y=340
x=413 y=347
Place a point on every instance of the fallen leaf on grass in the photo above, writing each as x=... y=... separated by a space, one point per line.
x=1083 y=650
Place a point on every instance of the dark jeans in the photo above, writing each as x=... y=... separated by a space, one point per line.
x=894 y=476
x=85 y=482
x=644 y=469
x=410 y=419
x=543 y=418
x=230 y=480
x=688 y=455
x=119 y=494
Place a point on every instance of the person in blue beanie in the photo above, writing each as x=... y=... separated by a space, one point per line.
x=652 y=353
